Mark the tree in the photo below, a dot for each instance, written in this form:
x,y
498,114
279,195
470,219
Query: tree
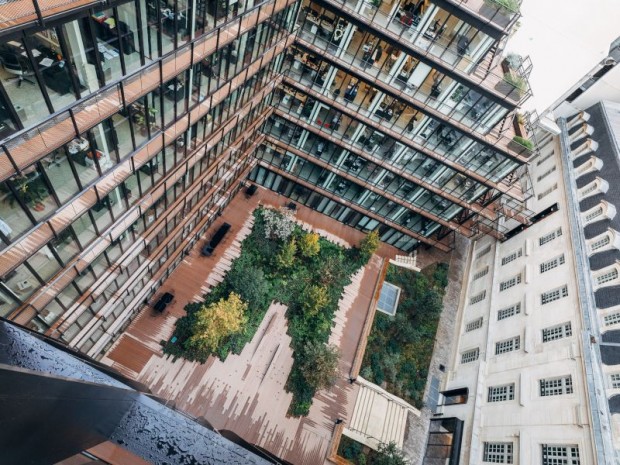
x,y
278,224
389,454
216,321
315,299
286,256
319,364
249,282
309,245
369,244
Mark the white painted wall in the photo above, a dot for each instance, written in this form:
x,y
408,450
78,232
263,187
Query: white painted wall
x,y
529,420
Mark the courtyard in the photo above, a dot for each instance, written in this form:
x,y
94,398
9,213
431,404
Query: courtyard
x,y
245,396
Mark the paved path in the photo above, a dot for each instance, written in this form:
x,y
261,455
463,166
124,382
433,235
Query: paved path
x,y
415,440
245,394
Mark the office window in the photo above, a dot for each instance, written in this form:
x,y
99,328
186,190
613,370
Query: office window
x,y
549,237
497,452
508,311
553,295
545,158
560,455
512,257
508,345
501,393
478,298
607,277
544,194
510,283
470,355
557,332
546,173
612,319
473,325
484,251
615,380
481,273
556,386
551,264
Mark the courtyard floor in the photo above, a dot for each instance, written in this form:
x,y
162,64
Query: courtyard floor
x,y
245,394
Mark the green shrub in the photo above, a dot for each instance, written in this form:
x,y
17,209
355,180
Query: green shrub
x,y
528,144
399,348
505,6
516,81
258,277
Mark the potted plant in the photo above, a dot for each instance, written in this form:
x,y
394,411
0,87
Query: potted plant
x,y
458,94
32,192
515,83
146,123
506,7
521,145
512,62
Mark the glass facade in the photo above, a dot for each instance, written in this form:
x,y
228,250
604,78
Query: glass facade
x,y
99,200
384,110
118,119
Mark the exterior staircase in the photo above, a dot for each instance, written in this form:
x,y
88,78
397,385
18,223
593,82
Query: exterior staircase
x,y
378,417
407,261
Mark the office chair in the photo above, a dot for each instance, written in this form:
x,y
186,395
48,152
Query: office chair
x,y
12,65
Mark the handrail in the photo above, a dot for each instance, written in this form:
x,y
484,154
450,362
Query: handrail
x,y
511,93
29,145
500,142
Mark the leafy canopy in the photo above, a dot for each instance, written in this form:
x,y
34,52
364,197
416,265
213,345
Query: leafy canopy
x,y
315,299
286,256
309,245
215,321
389,454
369,244
319,364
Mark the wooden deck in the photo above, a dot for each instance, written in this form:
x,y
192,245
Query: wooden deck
x,y
245,394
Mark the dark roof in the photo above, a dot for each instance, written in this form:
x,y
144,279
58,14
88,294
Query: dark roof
x,y
605,119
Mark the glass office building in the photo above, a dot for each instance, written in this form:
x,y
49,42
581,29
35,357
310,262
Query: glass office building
x,y
398,116
127,126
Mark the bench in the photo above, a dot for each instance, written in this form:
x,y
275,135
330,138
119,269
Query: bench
x,y
163,301
210,246
251,190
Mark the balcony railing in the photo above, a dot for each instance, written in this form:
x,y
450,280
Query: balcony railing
x,y
44,232
492,80
486,10
28,146
495,139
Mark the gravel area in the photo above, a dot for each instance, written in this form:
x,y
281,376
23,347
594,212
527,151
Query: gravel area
x,y
417,434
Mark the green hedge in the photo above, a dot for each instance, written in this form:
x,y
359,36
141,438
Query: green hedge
x,y
332,267
528,144
400,347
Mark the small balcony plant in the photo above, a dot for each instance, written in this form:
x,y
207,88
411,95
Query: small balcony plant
x,y
31,191
528,144
507,7
518,83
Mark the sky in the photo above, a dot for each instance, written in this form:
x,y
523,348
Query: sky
x,y
564,39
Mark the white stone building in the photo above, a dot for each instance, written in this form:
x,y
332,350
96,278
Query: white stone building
x,y
535,371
